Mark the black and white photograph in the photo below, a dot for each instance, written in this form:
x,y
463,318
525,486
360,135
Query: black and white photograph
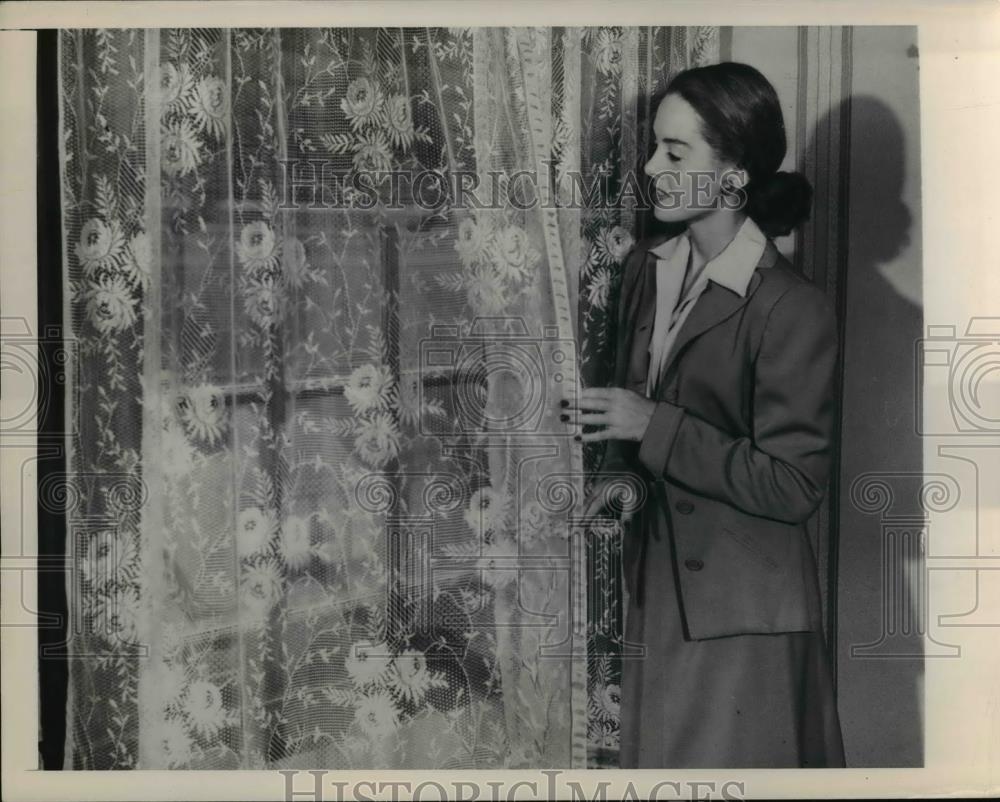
x,y
492,398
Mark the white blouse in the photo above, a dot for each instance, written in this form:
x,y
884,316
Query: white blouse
x,y
732,268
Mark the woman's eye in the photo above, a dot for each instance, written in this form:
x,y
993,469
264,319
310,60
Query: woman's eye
x,y
673,157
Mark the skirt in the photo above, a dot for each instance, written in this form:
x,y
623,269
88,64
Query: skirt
x,y
742,701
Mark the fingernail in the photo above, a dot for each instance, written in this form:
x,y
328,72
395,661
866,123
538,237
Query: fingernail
x,y
564,403
564,417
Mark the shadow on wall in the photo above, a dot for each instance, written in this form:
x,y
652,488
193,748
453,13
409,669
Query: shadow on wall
x,y
883,221
880,664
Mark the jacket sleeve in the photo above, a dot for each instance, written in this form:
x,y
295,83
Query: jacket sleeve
x,y
781,471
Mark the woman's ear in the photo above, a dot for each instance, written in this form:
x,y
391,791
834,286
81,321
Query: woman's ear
x,y
734,179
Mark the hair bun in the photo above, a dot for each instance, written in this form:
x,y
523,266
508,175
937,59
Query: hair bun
x,y
779,203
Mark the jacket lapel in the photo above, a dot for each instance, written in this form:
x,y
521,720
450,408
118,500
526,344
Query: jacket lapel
x,y
643,313
715,305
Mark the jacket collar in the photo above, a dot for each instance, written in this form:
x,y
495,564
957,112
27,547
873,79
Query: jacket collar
x,y
715,304
733,267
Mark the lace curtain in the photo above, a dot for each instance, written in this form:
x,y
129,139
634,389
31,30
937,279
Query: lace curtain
x,y
320,504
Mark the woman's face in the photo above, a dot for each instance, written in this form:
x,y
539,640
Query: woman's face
x,y
684,170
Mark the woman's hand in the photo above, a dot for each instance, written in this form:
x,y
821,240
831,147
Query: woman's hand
x,y
624,414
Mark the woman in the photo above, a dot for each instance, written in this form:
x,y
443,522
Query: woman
x,y
724,408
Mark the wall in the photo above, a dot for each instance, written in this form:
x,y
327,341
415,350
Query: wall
x,y
883,319
850,99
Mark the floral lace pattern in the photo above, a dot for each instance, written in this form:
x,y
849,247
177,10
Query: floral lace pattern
x,y
299,541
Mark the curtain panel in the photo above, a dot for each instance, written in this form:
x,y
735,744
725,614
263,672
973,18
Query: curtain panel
x,y
321,509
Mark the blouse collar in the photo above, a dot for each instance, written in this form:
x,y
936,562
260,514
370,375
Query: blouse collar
x,y
733,267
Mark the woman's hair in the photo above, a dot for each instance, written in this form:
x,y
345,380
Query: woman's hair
x,y
742,122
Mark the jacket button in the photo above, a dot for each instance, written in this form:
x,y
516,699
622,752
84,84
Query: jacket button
x,y
684,507
694,565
